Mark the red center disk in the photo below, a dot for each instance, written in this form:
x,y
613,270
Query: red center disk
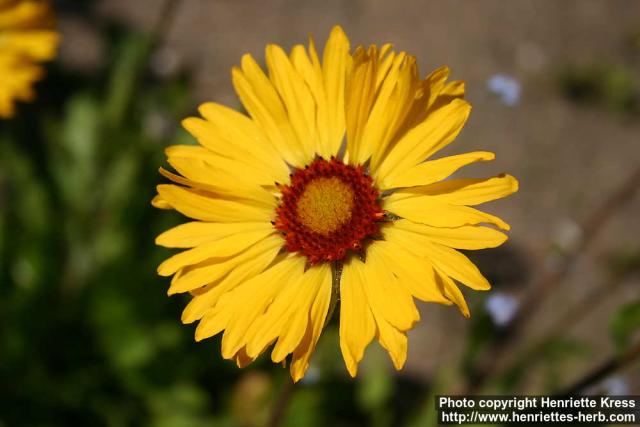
x,y
328,209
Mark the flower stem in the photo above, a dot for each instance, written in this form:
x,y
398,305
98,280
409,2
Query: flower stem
x,y
281,404
336,274
607,368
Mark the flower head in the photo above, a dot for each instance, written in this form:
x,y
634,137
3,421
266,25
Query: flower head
x,y
327,181
27,38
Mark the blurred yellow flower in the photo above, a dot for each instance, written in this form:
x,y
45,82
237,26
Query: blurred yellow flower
x,y
323,193
27,38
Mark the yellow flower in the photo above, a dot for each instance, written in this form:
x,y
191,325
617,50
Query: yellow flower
x,y
27,38
322,193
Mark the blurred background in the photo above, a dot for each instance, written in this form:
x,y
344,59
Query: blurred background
x,y
87,333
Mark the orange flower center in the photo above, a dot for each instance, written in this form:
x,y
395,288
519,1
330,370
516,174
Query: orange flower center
x,y
325,205
328,209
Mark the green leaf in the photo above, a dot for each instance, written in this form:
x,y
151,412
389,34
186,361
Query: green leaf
x,y
557,355
25,212
624,262
305,409
74,154
625,323
130,61
184,404
376,386
481,333
551,355
425,414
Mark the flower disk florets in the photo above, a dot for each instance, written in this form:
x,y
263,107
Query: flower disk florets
x,y
328,209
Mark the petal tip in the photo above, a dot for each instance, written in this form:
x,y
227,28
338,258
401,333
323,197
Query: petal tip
x,y
515,184
186,318
163,271
337,30
205,108
487,155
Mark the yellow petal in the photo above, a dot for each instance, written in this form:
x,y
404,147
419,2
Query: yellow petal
x,y
160,203
215,269
430,211
240,132
292,335
277,319
225,177
221,248
194,205
36,44
386,297
392,106
381,117
451,290
311,71
434,170
336,62
239,307
464,237
250,194
203,165
457,266
394,341
424,98
360,95
414,272
465,191
434,133
435,83
317,318
262,102
357,327
26,15
252,263
391,305
196,233
242,359
249,301
226,158
450,91
296,97
453,89
386,58
443,258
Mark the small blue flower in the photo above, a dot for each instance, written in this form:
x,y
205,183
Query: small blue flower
x,y
616,386
506,87
501,307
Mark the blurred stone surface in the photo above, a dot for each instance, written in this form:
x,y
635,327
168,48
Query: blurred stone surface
x,y
82,49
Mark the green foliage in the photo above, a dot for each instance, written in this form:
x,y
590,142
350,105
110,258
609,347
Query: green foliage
x,y
625,324
624,263
609,86
376,386
483,330
549,359
131,59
